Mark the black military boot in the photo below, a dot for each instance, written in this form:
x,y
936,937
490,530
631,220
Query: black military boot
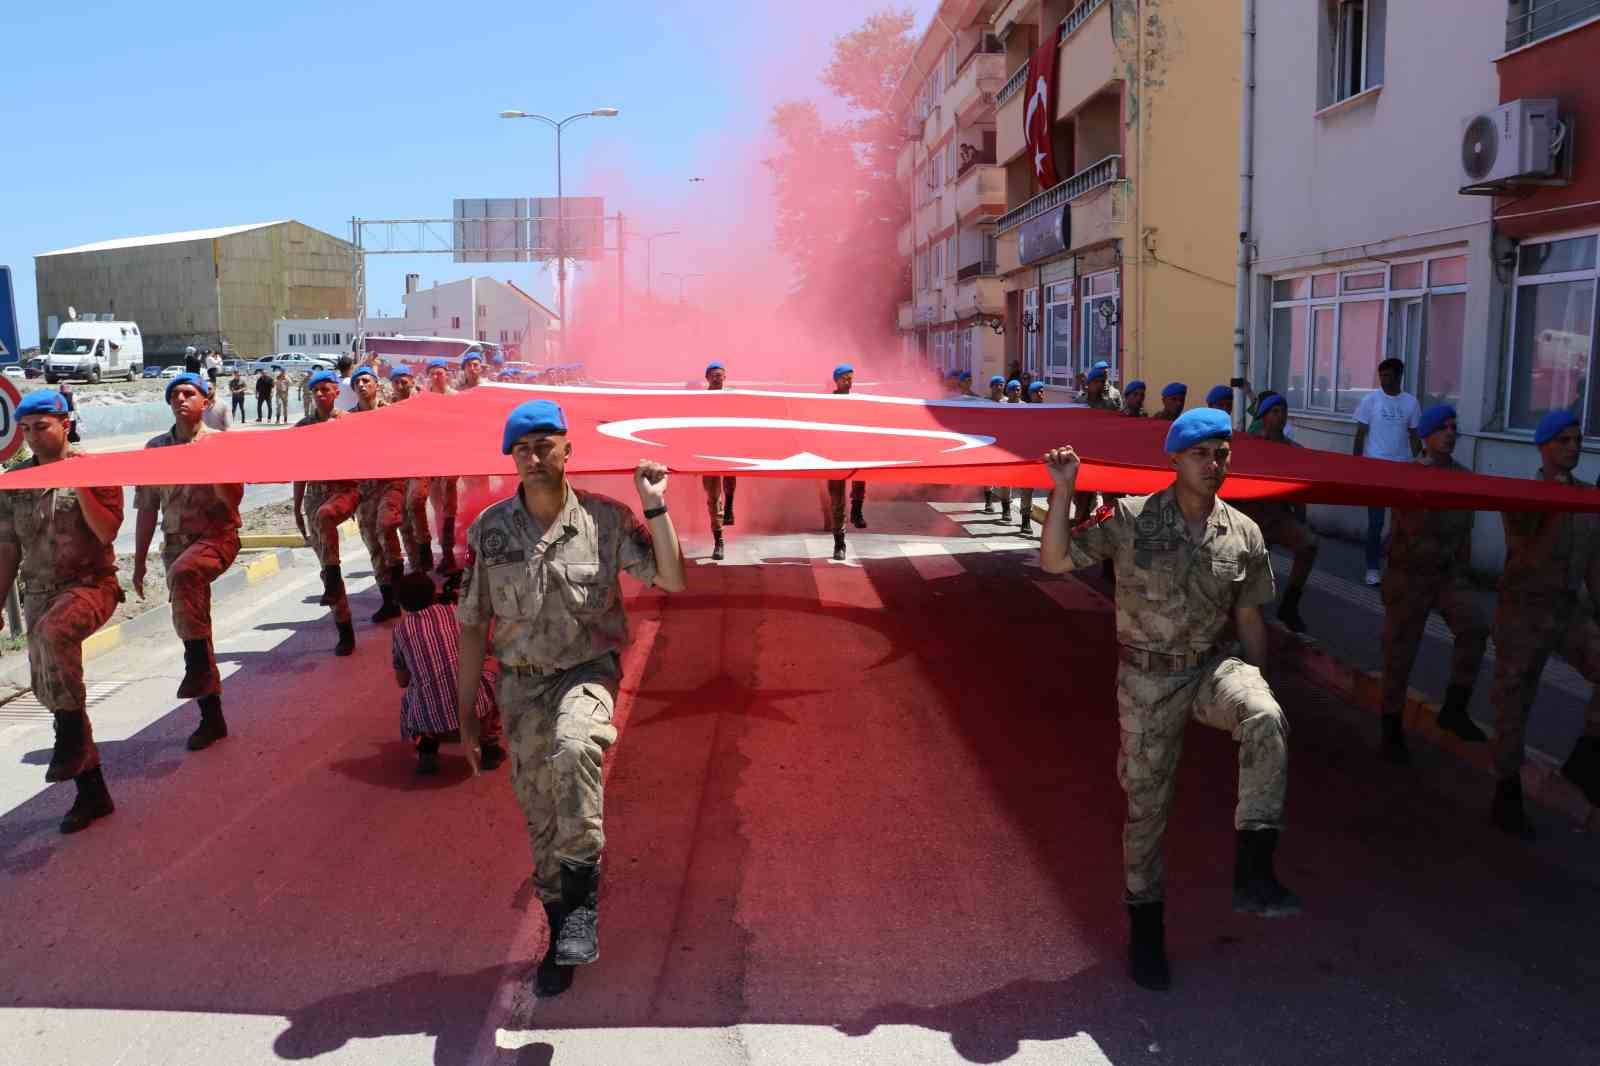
x,y
74,748
1453,715
94,801
717,551
390,609
553,978
1506,812
1582,768
196,669
1256,889
727,506
490,756
427,755
1394,741
447,550
578,942
347,639
857,519
1005,510
1027,523
838,547
1289,609
1147,946
213,727
424,558
988,501
332,585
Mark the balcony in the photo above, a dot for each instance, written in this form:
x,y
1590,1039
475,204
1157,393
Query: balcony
x,y
1097,216
1088,55
1534,20
930,302
1086,180
1008,258
933,216
1012,85
903,241
980,191
907,318
1008,133
982,269
980,295
972,95
1078,16
905,163
934,125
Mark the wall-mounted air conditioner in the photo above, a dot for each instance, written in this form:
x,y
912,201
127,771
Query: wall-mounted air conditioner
x,y
1518,143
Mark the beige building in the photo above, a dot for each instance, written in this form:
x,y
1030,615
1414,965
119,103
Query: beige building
x,y
201,287
1130,258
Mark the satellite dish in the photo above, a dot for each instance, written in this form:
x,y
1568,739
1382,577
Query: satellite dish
x,y
1479,147
72,314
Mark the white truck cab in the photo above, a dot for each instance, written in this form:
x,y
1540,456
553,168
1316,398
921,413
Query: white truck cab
x,y
95,351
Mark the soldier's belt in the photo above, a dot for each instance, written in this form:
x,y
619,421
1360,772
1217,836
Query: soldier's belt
x,y
1155,662
528,670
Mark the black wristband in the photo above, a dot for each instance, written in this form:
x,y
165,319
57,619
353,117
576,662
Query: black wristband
x,y
654,512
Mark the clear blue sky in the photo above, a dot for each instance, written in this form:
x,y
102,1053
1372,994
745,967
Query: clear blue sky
x,y
128,119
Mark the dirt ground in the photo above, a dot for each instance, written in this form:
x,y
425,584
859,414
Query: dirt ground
x,y
274,518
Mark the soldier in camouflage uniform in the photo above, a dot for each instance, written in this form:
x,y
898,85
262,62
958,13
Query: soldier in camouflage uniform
x,y
719,490
997,394
199,541
1173,396
1098,392
1133,400
415,535
441,491
844,376
329,503
1548,556
1428,554
1284,524
1191,572
543,568
61,541
381,513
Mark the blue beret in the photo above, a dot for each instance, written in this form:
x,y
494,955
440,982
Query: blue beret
x,y
1036,386
535,416
1277,400
362,372
998,379
43,402
400,372
1201,424
1550,425
440,364
470,356
714,365
965,375
1013,384
841,370
320,376
1096,372
1133,386
1434,418
1219,393
1176,388
199,381
1101,365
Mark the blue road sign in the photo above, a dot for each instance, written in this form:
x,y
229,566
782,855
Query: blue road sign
x,y
10,343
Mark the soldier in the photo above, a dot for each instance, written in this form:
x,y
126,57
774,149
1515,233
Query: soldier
x,y
1014,391
543,567
844,376
381,512
997,394
997,388
440,490
1428,554
1547,556
719,490
1220,398
61,541
1098,392
1033,392
415,533
1173,397
1284,523
402,384
199,541
330,503
1133,400
471,370
1191,571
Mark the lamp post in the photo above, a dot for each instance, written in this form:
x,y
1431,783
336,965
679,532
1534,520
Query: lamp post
x,y
681,279
561,206
649,246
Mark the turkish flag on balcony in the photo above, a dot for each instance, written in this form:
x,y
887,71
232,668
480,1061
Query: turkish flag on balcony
x,y
1038,113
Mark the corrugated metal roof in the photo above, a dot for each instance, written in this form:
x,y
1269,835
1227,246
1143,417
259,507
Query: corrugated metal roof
x,y
164,238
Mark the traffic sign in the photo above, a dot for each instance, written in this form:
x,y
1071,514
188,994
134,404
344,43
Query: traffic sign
x,y
10,343
10,432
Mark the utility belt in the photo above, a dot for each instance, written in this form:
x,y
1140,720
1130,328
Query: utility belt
x,y
531,670
1157,662
42,590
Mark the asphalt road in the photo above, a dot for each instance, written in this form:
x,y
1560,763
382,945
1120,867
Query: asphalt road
x,y
858,813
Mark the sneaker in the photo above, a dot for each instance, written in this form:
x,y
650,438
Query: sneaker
x,y
1374,578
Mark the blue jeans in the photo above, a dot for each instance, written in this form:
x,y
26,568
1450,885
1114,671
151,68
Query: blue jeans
x,y
1375,517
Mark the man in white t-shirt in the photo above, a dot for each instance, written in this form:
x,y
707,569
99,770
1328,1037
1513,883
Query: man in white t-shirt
x,y
1386,428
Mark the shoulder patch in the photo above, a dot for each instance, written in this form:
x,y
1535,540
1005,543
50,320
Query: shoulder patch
x,y
1098,517
494,543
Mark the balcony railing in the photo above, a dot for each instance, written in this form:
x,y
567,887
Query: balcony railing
x,y
1078,16
985,269
1013,85
988,44
1090,177
981,158
1533,20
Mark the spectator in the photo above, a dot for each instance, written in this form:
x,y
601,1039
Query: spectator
x,y
425,657
213,368
347,393
1386,428
280,389
191,360
236,391
215,416
305,393
72,411
263,395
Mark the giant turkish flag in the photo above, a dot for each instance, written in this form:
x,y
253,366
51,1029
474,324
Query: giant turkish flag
x,y
784,434
1039,112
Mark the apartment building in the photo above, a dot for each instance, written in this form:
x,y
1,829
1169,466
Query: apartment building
x,y
1426,188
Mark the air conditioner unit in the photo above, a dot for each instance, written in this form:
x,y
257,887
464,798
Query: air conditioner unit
x,y
1517,142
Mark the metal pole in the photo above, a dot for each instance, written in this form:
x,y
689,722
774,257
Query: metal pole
x,y
14,611
358,289
1241,295
561,247
622,312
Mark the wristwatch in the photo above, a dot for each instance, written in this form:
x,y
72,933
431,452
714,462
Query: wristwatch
x,y
654,512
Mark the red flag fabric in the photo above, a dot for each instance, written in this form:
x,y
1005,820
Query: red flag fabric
x,y
783,434
1038,114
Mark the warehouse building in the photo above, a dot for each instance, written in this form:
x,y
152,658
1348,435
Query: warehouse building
x,y
208,287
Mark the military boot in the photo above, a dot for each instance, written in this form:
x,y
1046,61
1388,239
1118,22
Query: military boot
x,y
212,728
1256,889
196,669
390,608
578,943
74,751
347,639
717,551
1147,946
1453,715
332,585
94,801
988,501
1582,768
727,507
447,549
857,519
1027,523
1289,609
1394,740
1507,812
552,978
838,547
424,557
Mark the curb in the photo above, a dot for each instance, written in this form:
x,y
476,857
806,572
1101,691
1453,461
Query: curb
x,y
289,540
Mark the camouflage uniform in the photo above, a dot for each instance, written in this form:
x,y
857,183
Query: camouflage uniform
x,y
330,502
199,541
1110,399
380,516
1548,556
1175,606
1003,492
69,586
559,629
1428,552
1283,524
858,495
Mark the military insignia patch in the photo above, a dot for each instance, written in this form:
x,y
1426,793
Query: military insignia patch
x,y
1097,517
494,543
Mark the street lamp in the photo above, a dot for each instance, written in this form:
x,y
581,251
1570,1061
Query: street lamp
x,y
649,245
561,206
681,279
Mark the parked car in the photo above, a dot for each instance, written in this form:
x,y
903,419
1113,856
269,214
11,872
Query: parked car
x,y
230,365
12,370
35,367
293,362
172,371
93,351
153,371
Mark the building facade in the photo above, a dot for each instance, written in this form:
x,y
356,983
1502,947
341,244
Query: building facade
x,y
219,288
1372,240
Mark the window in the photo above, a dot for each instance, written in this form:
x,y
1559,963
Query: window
x,y
1352,37
1534,20
1031,325
455,321
1330,331
1058,333
936,175
1101,304
435,311
483,334
938,264
951,160
505,337
1552,339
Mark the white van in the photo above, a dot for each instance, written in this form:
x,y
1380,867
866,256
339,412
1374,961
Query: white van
x,y
95,351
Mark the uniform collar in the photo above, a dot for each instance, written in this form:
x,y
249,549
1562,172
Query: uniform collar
x,y
1559,479
1218,521
565,524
